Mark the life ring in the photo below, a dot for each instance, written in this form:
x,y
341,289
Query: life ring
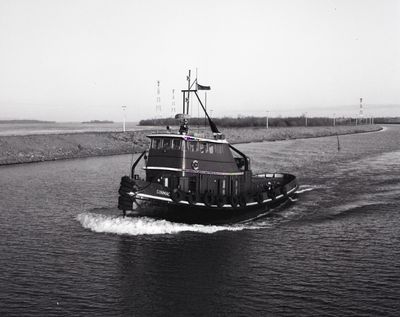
x,y
208,199
192,198
195,165
242,200
176,195
234,200
220,201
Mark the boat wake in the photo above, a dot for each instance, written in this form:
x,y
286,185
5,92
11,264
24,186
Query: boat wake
x,y
305,188
145,226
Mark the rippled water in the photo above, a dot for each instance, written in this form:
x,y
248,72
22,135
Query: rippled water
x,y
334,251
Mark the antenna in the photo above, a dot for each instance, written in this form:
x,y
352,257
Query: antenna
x,y
205,106
187,99
158,102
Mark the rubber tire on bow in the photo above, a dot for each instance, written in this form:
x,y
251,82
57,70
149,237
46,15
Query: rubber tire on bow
x,y
127,181
124,203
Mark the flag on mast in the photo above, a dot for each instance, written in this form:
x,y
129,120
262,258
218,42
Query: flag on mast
x,y
200,87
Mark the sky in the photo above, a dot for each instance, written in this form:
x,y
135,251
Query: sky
x,y
69,60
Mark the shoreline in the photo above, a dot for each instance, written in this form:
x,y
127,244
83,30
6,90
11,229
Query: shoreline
x,y
22,149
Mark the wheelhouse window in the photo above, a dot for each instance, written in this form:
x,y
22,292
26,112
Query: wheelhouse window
x,y
167,144
176,144
203,147
211,148
192,146
156,144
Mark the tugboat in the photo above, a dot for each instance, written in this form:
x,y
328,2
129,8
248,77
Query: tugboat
x,y
200,179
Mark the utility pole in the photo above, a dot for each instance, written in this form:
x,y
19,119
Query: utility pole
x,y
266,120
158,101
305,117
334,119
123,123
173,109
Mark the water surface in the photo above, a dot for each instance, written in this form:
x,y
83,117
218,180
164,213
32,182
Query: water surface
x,y
335,251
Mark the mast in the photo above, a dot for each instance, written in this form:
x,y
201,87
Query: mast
x,y
185,108
188,95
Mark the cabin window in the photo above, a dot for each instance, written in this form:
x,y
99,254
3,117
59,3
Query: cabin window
x,y
156,144
192,146
203,147
211,148
176,144
167,144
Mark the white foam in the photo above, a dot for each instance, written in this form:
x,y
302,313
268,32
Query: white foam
x,y
299,191
144,225
306,188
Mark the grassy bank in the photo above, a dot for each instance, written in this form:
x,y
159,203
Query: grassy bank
x,y
49,147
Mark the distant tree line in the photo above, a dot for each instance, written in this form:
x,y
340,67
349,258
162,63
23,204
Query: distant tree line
x,y
98,121
386,120
261,121
24,121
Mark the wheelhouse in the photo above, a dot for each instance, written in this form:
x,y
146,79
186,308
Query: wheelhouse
x,y
196,165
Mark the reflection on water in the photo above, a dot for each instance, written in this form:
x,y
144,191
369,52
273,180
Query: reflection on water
x,y
335,250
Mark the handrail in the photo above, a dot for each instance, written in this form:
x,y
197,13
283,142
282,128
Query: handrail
x,y
246,159
136,163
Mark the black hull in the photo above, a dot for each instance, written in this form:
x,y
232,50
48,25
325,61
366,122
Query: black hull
x,y
192,214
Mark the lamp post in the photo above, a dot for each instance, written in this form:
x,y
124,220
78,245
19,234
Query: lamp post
x,y
123,124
